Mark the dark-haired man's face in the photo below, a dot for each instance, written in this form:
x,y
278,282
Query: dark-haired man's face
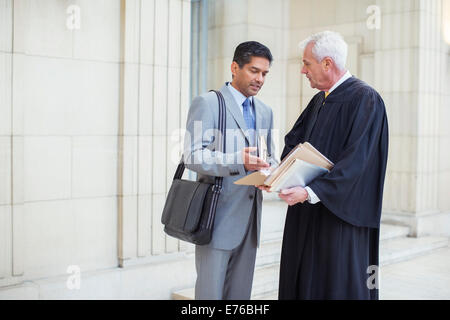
x,y
250,78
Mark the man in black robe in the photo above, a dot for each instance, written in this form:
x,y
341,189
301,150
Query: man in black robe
x,y
331,235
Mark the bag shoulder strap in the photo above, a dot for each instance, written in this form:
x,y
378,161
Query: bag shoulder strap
x,y
221,143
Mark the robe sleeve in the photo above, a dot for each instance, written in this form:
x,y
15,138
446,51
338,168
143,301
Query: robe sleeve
x,y
353,189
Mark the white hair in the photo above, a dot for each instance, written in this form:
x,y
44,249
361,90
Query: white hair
x,y
327,44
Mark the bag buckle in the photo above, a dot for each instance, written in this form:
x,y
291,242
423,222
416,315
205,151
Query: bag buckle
x,y
216,189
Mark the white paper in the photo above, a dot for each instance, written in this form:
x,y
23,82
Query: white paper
x,y
301,173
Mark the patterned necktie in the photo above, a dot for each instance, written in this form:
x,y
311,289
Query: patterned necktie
x,y
249,120
326,95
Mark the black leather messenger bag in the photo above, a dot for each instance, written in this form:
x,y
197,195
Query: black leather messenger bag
x,y
190,206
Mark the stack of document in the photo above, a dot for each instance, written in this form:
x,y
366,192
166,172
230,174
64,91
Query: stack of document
x,y
301,166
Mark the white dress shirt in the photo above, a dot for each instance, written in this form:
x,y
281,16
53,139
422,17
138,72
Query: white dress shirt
x,y
240,98
312,197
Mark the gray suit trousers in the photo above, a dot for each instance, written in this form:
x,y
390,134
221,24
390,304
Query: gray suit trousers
x,y
227,274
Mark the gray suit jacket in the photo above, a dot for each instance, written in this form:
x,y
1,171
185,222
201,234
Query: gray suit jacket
x,y
200,155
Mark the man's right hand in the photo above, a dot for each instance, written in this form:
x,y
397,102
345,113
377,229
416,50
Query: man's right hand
x,y
251,162
264,188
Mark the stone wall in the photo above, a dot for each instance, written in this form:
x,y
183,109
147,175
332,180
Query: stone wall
x,y
91,93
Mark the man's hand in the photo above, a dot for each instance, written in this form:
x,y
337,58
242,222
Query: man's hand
x,y
294,195
264,188
253,163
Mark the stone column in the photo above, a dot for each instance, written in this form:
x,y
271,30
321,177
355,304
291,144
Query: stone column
x,y
444,150
154,103
409,72
61,115
9,273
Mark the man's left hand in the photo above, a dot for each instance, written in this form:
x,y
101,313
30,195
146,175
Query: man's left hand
x,y
294,195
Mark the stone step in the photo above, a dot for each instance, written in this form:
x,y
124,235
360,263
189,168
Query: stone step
x,y
392,251
390,231
265,279
387,231
272,295
395,246
266,275
270,237
269,250
267,264
401,249
185,294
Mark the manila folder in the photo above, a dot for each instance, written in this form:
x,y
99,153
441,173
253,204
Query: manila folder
x,y
254,179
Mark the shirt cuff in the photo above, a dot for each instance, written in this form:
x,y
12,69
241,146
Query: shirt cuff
x,y
313,198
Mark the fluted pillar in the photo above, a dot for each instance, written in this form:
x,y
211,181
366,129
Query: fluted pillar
x,y
154,91
409,72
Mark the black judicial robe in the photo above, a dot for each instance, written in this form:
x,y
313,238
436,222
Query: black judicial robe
x,y
329,246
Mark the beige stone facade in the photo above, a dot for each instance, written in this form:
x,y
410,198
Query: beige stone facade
x,y
92,97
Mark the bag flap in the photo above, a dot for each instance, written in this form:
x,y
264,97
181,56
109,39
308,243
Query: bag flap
x,y
183,207
196,208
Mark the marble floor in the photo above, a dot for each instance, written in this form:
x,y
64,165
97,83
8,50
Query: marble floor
x,y
425,277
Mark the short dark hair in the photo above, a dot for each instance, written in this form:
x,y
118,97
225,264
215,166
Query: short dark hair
x,y
246,50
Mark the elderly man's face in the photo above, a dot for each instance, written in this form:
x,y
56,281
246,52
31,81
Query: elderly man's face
x,y
314,70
